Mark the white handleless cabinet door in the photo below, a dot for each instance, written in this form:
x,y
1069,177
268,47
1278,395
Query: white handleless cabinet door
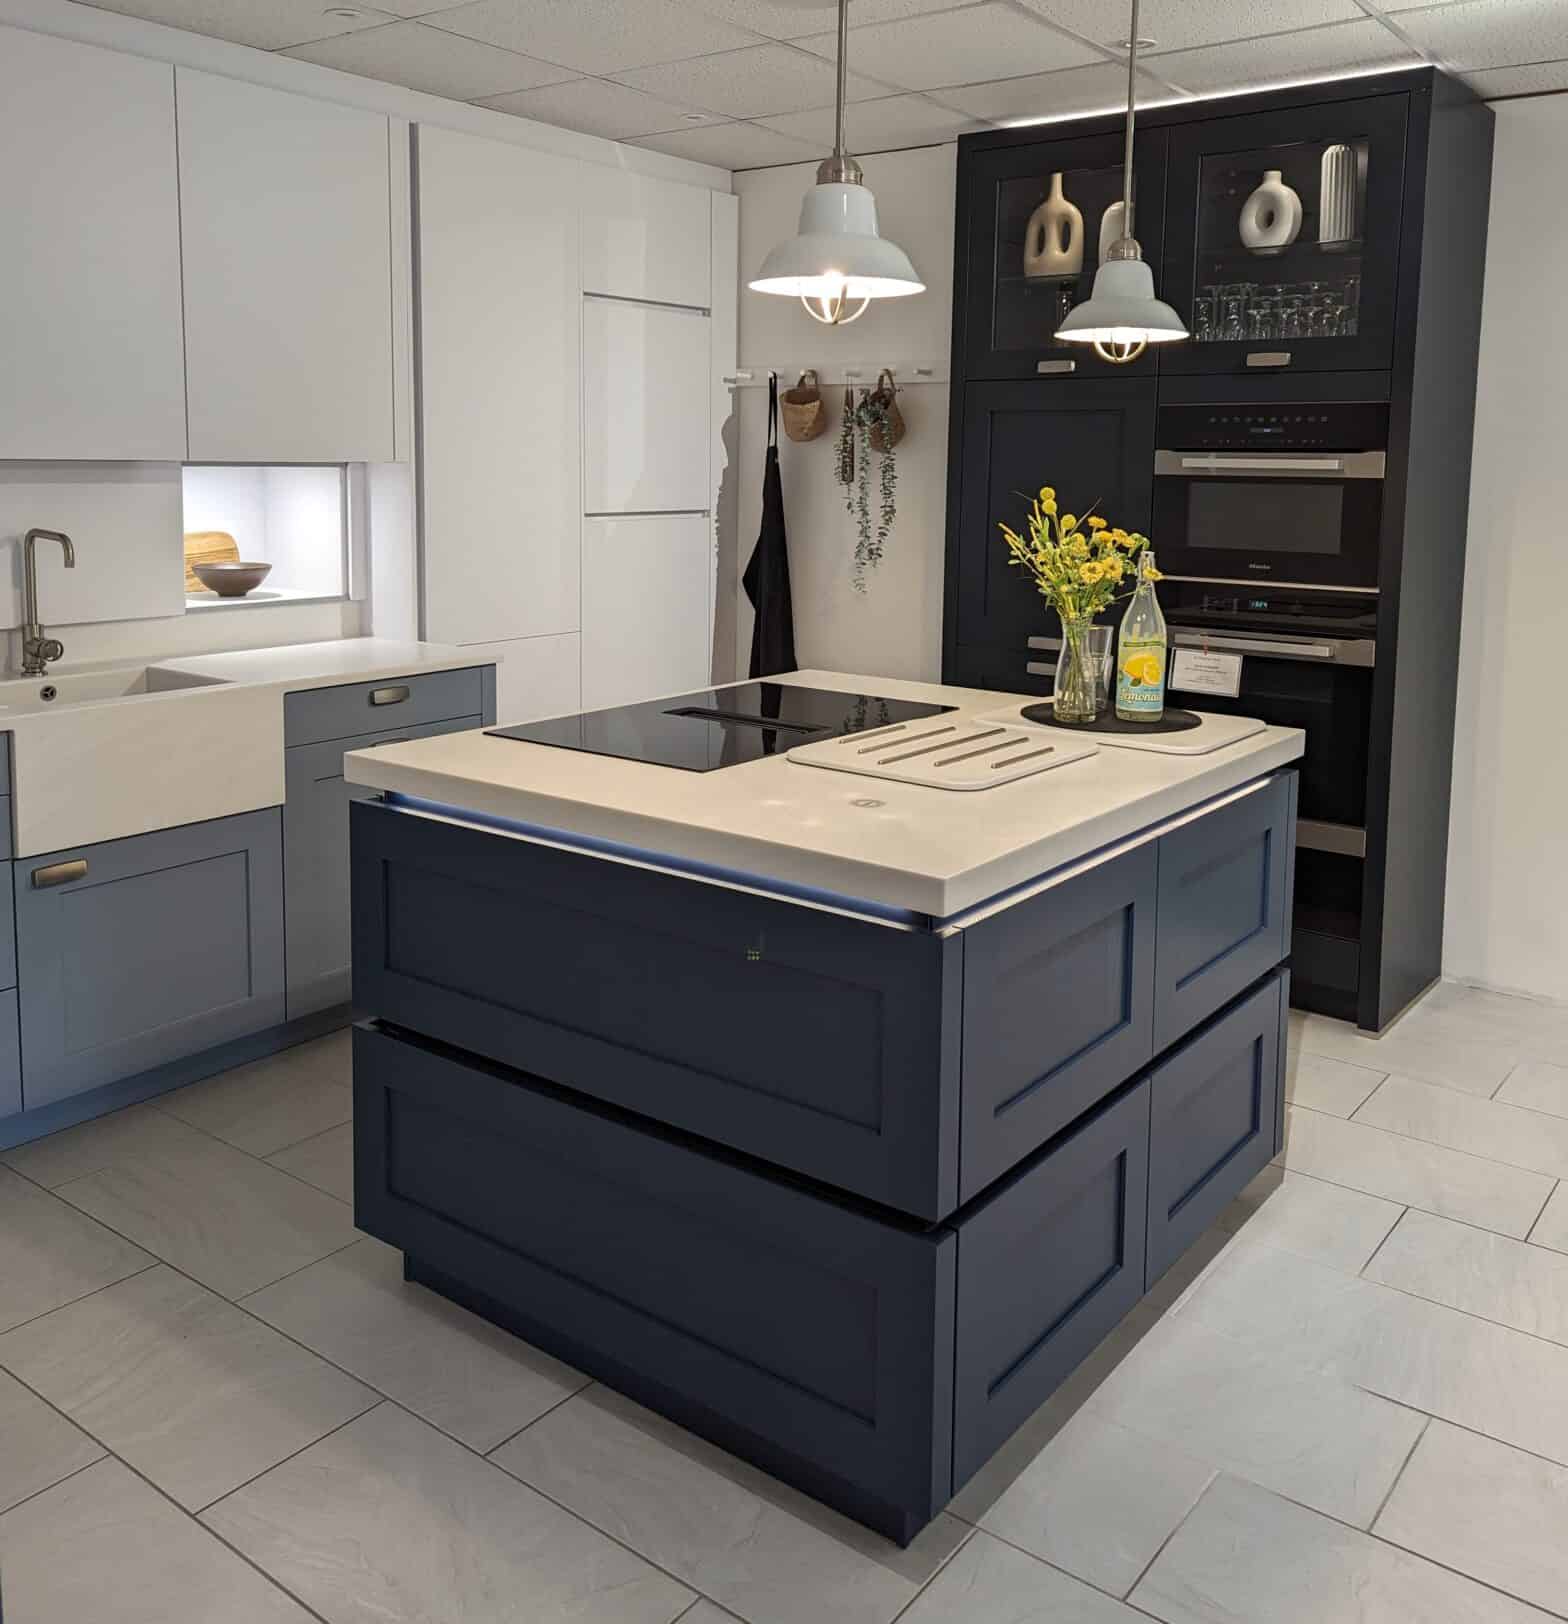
x,y
499,319
534,677
647,621
286,226
93,365
645,238
645,408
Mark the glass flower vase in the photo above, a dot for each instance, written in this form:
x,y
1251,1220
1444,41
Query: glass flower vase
x,y
1075,700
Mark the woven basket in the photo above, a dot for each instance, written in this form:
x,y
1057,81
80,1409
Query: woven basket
x,y
887,432
803,409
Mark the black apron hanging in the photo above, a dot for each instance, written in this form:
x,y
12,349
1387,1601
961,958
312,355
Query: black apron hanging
x,y
767,575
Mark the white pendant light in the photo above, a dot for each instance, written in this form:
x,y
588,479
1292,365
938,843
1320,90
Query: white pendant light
x,y
1122,316
837,263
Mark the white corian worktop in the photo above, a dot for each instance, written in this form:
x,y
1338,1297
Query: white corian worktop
x,y
930,851
203,740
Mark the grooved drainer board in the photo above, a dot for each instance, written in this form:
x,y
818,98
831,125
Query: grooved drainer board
x,y
946,752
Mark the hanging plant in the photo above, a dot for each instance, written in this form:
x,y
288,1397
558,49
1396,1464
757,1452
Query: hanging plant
x,y
875,424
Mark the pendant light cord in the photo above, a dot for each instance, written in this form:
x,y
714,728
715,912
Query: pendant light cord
x,y
1132,82
843,77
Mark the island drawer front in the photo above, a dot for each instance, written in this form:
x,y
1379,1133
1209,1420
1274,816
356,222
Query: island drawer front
x,y
1214,1119
1046,1267
1224,905
1058,1010
811,1338
10,1056
7,849
7,933
821,1043
316,714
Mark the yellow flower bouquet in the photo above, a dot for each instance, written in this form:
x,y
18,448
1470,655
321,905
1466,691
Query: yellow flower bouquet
x,y
1078,566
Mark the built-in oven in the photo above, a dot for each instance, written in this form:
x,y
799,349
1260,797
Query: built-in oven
x,y
1287,496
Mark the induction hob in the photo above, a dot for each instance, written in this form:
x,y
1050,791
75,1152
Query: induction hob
x,y
720,727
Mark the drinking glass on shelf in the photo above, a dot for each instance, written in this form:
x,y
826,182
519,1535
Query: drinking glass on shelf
x,y
1233,311
1205,324
1351,302
1263,315
1290,312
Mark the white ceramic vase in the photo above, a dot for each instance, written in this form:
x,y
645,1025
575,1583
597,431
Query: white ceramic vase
x,y
1337,197
1053,240
1271,217
1113,227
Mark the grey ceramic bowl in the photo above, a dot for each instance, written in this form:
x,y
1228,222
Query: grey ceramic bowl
x,y
231,580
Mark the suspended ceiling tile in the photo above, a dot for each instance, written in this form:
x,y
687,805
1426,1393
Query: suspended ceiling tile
x,y
1176,25
596,36
1533,79
267,24
877,126
753,83
732,146
794,19
1071,93
957,47
1491,33
596,107
423,58
418,8
1316,53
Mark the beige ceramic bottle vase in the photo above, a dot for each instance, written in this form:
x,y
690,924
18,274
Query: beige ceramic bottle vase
x,y
1053,242
1271,217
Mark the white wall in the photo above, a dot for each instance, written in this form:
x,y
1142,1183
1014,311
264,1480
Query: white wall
x,y
895,629
1507,922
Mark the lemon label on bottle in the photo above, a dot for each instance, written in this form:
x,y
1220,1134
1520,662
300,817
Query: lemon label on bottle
x,y
1140,677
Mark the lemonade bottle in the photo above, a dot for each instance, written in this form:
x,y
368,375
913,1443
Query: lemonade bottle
x,y
1140,656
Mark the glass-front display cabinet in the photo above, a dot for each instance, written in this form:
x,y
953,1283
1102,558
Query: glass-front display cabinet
x,y
1039,219
1282,244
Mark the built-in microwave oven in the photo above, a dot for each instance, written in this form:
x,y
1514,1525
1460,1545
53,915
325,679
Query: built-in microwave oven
x,y
1286,497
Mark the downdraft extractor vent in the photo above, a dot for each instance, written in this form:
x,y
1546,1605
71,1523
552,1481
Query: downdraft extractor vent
x,y
944,752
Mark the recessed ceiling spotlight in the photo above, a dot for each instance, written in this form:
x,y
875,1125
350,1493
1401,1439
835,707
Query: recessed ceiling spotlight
x,y
1144,43
351,14
694,118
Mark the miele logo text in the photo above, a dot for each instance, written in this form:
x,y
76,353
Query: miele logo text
x,y
1260,567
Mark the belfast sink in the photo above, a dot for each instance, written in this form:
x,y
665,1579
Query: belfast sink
x,y
93,683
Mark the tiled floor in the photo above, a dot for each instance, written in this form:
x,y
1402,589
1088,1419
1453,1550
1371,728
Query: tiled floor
x,y
218,1401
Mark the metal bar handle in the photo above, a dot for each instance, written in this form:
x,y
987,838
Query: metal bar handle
x,y
1256,464
1359,651
1304,465
59,873
389,696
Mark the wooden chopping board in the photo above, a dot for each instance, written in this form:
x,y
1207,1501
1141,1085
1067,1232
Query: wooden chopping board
x,y
207,547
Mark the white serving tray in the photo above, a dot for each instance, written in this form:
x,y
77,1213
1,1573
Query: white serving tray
x,y
1216,733
948,752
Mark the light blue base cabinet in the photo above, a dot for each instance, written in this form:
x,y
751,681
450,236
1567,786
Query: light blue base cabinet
x,y
140,951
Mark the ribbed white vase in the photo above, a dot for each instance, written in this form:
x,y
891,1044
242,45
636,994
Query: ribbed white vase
x,y
1337,195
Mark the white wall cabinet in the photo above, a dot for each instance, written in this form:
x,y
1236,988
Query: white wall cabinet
x,y
90,273
646,401
646,620
499,334
645,238
286,231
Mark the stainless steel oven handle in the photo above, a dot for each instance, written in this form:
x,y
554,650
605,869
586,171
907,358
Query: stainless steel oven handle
x,y
1331,650
1272,464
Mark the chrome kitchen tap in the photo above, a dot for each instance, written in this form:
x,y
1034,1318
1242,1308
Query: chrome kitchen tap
x,y
38,650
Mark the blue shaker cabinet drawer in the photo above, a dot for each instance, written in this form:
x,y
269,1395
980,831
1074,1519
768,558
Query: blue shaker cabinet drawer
x,y
1214,1123
316,714
10,1056
7,930
6,847
1224,905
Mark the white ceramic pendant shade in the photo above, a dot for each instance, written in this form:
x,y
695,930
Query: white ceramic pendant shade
x,y
838,261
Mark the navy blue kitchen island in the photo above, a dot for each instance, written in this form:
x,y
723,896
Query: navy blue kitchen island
x,y
842,1150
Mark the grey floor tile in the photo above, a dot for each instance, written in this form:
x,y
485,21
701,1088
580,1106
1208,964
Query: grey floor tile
x,y
1492,1512
1551,1228
1526,1024
988,1582
214,1212
1431,1358
1471,1063
1307,1216
1301,1432
1334,1086
460,1373
327,1161
1099,1501
273,1102
1441,1116
51,1254
1413,1173
389,1520
104,1546
1246,1555
38,1446
748,1542
193,1392
73,1153
1500,1279
1538,1085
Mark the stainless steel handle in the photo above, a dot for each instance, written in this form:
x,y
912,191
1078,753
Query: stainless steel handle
x,y
1296,465
59,873
1269,358
381,744
1343,839
1055,369
389,696
1038,668
1266,464
1335,651
1252,583
1052,643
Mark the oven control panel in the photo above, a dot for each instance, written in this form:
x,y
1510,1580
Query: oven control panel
x,y
1330,426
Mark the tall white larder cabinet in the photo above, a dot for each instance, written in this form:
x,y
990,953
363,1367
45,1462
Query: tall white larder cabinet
x,y
91,364
499,403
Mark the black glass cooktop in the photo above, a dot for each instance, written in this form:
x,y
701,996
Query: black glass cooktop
x,y
720,727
